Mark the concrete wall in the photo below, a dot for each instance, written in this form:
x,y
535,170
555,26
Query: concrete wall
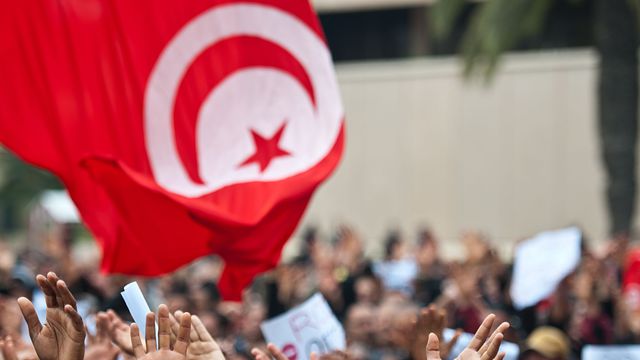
x,y
425,147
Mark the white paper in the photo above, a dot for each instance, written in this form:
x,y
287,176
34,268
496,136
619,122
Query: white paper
x,y
541,263
618,352
512,350
309,327
137,305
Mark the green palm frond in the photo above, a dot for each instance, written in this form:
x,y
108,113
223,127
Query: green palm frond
x,y
496,26
444,15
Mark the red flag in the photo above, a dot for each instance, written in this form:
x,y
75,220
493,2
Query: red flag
x,y
180,128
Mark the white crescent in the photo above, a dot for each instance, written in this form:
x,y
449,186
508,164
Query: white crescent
x,y
258,98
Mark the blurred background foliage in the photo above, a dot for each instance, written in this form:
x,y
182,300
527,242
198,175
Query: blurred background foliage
x,y
20,184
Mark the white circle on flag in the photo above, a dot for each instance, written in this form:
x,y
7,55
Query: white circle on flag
x,y
259,99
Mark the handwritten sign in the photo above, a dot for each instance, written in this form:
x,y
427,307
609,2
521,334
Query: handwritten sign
x,y
309,327
541,263
618,352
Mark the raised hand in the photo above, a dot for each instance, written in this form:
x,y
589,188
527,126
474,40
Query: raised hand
x,y
202,345
481,347
62,337
487,348
167,349
120,333
8,349
16,349
431,320
100,347
273,351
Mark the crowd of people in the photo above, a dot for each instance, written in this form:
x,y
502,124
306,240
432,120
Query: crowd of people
x,y
396,307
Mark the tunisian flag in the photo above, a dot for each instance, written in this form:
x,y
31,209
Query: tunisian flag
x,y
180,128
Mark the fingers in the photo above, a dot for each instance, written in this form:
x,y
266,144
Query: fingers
x,y
499,330
114,318
76,319
56,292
200,329
52,278
120,333
483,332
314,356
175,325
490,349
164,327
8,349
182,342
102,327
150,332
454,340
48,290
136,341
30,316
193,336
424,318
501,356
276,352
493,348
115,324
63,293
433,347
259,354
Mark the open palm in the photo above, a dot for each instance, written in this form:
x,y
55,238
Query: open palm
x,y
202,345
62,337
481,347
120,333
167,349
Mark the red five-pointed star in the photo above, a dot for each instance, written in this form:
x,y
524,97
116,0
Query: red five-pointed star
x,y
266,149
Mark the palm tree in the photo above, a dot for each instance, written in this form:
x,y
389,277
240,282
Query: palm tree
x,y
497,26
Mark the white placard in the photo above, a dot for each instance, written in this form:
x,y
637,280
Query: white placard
x,y
512,350
541,263
309,327
618,352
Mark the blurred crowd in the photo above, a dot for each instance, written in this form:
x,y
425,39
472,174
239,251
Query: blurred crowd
x,y
379,301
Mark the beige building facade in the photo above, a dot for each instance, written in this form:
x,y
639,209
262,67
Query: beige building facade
x,y
425,147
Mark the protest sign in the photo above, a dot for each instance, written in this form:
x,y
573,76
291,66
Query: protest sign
x,y
309,327
541,263
618,352
512,350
